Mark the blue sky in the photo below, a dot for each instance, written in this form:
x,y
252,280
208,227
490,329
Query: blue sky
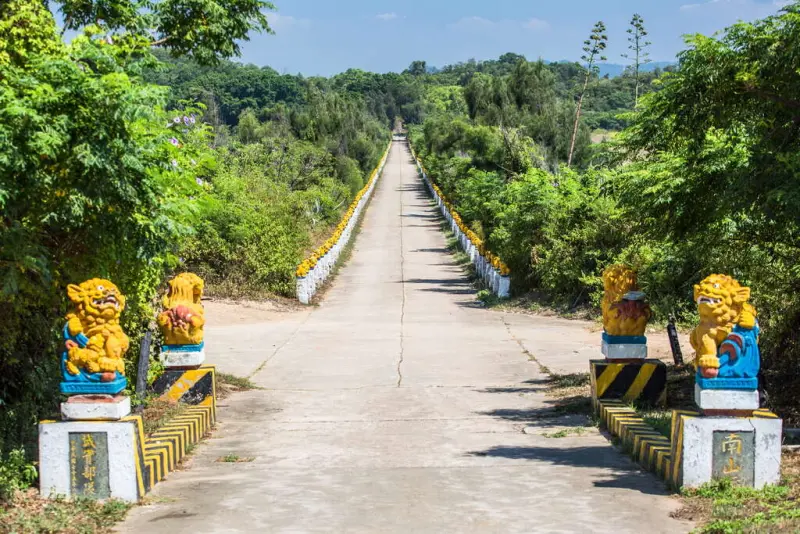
x,y
321,37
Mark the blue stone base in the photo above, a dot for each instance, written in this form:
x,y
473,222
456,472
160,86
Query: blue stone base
x,y
94,388
727,383
624,347
183,348
624,340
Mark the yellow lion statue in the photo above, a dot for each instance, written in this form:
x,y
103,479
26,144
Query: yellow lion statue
x,y
183,317
97,305
722,304
623,317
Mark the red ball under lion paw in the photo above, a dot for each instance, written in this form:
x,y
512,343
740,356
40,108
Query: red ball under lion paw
x,y
709,372
182,313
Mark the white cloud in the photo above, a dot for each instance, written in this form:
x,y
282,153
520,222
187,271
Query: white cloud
x,y
387,16
769,4
283,22
474,21
481,24
473,24
537,24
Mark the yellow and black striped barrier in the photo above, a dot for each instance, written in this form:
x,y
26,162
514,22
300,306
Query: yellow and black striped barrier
x,y
165,448
642,382
190,386
650,448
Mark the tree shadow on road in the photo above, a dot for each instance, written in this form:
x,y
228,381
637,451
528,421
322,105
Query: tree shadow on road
x,y
453,286
625,474
541,417
440,250
420,216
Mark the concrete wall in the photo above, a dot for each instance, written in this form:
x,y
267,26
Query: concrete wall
x,y
494,281
307,286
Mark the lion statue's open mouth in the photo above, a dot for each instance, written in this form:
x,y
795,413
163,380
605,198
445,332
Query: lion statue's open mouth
x,y
105,302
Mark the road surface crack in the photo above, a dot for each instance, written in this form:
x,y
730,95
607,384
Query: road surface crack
x,y
524,349
403,286
279,347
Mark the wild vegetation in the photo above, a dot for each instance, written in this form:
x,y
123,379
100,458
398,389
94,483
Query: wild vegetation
x,y
702,179
106,171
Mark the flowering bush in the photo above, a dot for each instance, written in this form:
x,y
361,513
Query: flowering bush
x,y
307,265
495,262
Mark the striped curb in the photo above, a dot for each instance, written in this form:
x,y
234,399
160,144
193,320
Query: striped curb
x,y
165,448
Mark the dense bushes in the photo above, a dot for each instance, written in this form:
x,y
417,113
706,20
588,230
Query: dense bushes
x,y
101,174
95,180
268,205
704,180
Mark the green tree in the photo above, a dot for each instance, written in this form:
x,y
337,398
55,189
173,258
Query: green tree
x,y
713,160
97,177
639,55
592,53
417,68
206,30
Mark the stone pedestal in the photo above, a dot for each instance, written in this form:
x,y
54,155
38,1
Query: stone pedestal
x,y
745,449
720,400
93,459
183,356
643,382
96,408
624,347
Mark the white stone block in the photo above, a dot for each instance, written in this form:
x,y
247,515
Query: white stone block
x,y
624,351
496,282
726,399
301,288
96,408
697,447
504,289
174,357
55,472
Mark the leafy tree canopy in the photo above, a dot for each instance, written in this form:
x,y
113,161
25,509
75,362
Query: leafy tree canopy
x,y
206,30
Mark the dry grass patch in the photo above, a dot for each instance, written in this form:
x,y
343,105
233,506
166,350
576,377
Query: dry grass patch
x,y
235,459
571,391
27,513
228,384
158,412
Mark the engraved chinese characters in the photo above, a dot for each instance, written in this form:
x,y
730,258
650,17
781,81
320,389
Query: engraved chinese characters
x,y
88,465
734,457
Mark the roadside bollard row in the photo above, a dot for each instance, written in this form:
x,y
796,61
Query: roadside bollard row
x,y
489,268
314,270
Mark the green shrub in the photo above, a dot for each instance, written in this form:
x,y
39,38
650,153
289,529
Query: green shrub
x,y
268,206
15,473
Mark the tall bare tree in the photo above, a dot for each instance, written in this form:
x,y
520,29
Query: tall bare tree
x,y
592,53
639,56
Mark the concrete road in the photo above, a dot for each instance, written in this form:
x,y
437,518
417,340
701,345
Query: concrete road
x,y
398,405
